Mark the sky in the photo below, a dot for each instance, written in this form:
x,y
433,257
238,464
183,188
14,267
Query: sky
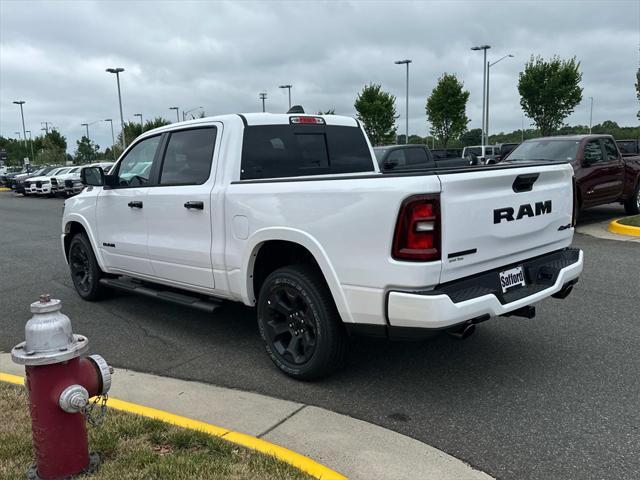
x,y
221,55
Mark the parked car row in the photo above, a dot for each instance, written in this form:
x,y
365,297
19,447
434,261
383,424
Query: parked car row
x,y
49,180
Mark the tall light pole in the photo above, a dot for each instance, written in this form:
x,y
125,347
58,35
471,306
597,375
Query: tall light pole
x,y
406,62
177,113
141,125
24,134
19,135
113,138
184,114
288,87
86,125
591,115
489,65
263,97
31,144
117,71
484,85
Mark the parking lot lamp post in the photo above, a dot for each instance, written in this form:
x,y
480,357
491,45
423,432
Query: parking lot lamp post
x,y
590,115
86,125
406,62
31,144
263,97
19,135
288,87
489,65
141,124
177,113
24,134
113,139
117,71
184,114
484,85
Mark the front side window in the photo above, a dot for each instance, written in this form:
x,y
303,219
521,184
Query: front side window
x,y
417,156
188,157
593,152
135,167
610,149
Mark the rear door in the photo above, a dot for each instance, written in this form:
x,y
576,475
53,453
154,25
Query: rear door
x,y
179,208
496,217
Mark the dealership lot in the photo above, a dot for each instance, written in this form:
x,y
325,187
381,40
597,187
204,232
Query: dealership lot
x,y
552,397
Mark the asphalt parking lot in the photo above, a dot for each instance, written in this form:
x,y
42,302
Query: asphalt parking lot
x,y
556,397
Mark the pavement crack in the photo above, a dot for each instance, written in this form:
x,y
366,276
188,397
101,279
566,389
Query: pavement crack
x,y
288,417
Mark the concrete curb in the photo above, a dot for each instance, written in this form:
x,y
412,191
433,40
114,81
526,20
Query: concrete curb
x,y
600,230
616,227
301,462
357,449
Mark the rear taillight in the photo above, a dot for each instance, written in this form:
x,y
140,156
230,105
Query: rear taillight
x,y
417,235
574,216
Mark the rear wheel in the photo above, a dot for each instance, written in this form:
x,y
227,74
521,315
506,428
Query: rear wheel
x,y
632,205
84,268
299,323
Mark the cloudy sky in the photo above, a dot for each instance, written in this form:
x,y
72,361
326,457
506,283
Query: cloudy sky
x,y
220,55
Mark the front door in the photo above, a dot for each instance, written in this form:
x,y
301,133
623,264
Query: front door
x,y
120,211
178,208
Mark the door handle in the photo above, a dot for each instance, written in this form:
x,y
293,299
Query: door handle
x,y
135,204
195,205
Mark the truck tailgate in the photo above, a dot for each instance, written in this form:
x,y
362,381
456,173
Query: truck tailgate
x,y
498,217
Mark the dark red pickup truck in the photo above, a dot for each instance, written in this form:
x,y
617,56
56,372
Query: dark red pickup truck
x,y
602,174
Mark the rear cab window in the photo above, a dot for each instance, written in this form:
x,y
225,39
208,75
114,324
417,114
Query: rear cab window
x,y
283,151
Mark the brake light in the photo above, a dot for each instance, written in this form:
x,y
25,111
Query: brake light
x,y
307,119
417,234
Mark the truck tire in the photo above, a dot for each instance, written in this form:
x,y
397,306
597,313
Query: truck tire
x,y
299,323
84,269
632,205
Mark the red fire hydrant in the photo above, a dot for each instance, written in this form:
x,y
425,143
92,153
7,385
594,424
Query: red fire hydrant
x,y
60,383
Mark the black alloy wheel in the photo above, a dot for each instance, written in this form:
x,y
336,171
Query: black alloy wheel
x,y
299,323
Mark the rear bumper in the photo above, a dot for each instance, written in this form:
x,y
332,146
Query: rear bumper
x,y
481,295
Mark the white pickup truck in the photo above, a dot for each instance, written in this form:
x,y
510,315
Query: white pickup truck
x,y
289,213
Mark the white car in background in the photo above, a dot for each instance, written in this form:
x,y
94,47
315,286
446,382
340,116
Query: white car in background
x,y
73,185
42,185
57,181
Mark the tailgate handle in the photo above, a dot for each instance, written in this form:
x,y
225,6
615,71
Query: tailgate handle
x,y
524,183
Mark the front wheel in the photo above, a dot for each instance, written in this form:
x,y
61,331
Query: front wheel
x,y
84,268
299,323
632,205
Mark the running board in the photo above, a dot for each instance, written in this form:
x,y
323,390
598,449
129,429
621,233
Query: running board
x,y
147,290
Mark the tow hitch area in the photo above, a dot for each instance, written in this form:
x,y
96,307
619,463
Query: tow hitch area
x,y
526,312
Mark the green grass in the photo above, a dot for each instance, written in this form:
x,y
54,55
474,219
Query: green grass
x,y
136,448
633,221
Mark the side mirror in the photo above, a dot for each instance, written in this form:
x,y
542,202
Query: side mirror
x,y
92,176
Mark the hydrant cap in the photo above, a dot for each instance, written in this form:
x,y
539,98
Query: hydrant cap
x,y
48,334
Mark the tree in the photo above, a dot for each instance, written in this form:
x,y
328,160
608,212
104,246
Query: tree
x,y
471,137
549,91
446,109
331,111
377,112
133,130
86,150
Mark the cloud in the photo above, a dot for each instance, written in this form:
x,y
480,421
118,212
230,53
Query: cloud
x,y
221,55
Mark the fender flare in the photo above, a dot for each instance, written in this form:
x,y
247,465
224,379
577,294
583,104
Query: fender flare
x,y
74,217
255,242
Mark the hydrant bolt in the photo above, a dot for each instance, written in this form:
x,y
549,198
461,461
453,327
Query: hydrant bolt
x,y
73,399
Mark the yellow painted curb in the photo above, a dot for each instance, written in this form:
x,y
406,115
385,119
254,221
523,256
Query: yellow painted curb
x,y
616,227
5,189
297,460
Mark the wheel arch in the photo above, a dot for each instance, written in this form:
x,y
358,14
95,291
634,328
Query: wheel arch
x,y
74,225
299,247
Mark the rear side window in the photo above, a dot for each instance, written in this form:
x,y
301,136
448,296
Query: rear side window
x,y
627,146
417,156
188,157
276,151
